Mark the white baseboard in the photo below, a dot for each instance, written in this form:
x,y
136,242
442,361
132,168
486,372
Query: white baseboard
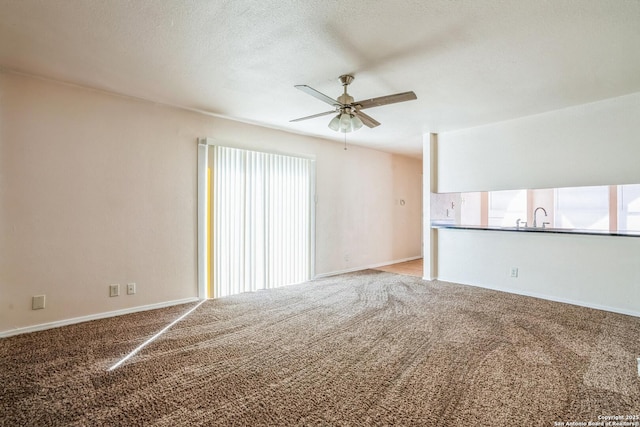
x,y
555,299
365,267
58,323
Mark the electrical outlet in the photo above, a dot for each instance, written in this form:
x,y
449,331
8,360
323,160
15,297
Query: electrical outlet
x,y
37,302
131,288
114,290
514,271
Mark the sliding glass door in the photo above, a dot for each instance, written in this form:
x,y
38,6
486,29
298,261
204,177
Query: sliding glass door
x,y
260,220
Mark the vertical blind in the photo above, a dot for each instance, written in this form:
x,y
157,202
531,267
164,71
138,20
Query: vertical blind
x,y
261,220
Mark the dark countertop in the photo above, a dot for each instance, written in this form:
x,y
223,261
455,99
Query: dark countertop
x,y
538,230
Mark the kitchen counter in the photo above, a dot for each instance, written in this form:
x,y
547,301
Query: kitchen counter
x,y
537,230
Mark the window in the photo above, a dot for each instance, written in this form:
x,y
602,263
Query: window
x,y
506,207
629,207
582,208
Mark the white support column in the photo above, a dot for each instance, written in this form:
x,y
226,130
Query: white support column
x,y
429,186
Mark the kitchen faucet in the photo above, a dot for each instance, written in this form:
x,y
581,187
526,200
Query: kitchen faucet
x,y
535,214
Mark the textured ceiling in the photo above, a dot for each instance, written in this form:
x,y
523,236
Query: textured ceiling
x,y
470,62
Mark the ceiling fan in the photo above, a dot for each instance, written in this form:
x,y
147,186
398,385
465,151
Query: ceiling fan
x,y
350,117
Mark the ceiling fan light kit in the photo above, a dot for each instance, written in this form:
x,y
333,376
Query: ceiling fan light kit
x,y
350,117
345,122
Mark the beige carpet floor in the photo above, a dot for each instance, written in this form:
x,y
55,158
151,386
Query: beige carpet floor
x,y
367,348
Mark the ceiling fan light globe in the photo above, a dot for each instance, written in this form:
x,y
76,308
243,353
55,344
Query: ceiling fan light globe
x,y
345,122
356,123
334,124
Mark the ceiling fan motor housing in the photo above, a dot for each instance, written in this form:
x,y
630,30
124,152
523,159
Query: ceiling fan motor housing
x,y
345,99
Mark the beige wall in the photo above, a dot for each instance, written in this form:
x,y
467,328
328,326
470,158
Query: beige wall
x,y
98,189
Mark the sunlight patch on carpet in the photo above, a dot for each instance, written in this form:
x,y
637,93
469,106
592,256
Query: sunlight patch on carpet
x,y
150,340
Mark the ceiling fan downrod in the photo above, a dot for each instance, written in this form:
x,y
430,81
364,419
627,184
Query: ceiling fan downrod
x,y
345,98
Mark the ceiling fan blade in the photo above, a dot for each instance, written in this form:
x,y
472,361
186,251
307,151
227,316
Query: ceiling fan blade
x,y
367,120
321,96
384,100
314,116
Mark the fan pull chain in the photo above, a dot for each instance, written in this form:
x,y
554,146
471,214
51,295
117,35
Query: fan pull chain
x,y
345,142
